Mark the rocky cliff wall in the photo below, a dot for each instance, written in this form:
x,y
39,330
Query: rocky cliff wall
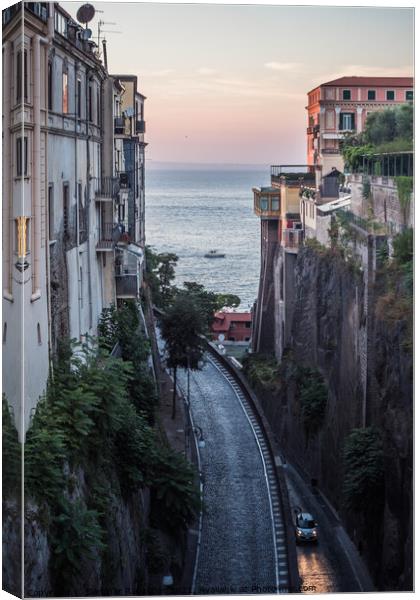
x,y
367,367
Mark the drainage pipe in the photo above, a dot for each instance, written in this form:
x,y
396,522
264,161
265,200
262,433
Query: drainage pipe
x,y
7,167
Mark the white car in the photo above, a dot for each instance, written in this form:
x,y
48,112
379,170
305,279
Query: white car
x,y
306,529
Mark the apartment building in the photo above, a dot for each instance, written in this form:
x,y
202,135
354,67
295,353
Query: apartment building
x,y
73,193
341,106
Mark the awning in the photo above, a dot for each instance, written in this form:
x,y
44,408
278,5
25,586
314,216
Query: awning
x,y
335,204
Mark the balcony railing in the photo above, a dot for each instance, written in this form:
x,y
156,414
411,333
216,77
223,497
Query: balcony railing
x,y
106,188
127,285
119,126
140,126
105,237
293,174
293,238
330,151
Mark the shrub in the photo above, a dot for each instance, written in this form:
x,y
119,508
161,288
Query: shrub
x,y
176,499
77,536
404,187
261,370
363,487
11,452
313,396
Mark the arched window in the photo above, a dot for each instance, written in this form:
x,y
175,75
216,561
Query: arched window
x,y
38,331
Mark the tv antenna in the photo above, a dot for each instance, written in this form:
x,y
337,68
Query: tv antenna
x,y
101,31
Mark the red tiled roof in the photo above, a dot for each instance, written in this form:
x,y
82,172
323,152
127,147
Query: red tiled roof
x,y
369,81
375,81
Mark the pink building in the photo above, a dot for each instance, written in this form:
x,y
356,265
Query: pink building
x,y
341,106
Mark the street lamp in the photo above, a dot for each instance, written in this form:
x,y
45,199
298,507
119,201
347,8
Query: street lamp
x,y
199,433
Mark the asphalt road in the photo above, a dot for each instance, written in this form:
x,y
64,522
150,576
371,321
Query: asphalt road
x,y
331,565
237,552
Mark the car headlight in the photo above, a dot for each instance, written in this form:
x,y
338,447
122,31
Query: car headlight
x,y
299,532
314,532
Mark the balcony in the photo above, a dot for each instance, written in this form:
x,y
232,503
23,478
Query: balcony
x,y
127,285
335,151
267,203
293,175
140,126
105,241
292,239
119,126
106,188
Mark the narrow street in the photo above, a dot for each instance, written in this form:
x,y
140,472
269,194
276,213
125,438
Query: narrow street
x,y
242,546
333,564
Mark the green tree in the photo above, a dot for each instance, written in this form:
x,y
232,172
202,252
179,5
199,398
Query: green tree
x,y
363,487
183,326
160,274
227,301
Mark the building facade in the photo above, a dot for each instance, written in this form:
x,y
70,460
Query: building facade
x,y
73,193
341,106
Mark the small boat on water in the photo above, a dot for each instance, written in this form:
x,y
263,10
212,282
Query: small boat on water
x,y
214,254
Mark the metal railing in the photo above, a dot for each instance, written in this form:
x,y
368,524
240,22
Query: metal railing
x,y
293,174
140,126
119,125
126,285
368,225
105,236
293,238
330,151
106,187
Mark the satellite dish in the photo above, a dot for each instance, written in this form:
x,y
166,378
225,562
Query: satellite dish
x,y
85,13
221,337
86,34
129,111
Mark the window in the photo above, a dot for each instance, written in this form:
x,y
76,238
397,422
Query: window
x,y
390,95
82,225
371,95
21,76
263,202
65,93
4,333
346,121
60,23
21,156
51,211
66,209
90,103
81,287
38,331
275,203
409,95
50,86
79,98
346,94
98,106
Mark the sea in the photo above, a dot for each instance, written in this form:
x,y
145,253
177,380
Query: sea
x,y
190,211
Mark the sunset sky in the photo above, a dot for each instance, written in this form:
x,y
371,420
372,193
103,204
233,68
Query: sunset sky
x,y
228,83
